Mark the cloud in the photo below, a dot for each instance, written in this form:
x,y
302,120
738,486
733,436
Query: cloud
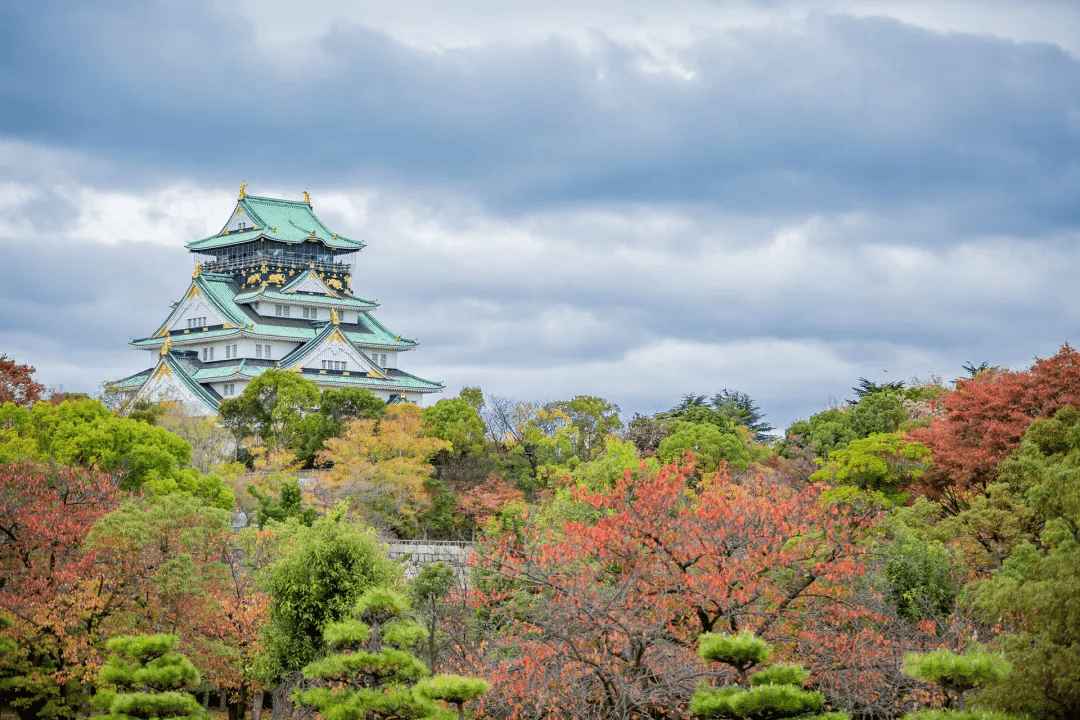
x,y
836,113
780,203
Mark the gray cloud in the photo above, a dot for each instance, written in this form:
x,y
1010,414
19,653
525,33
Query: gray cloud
x,y
817,201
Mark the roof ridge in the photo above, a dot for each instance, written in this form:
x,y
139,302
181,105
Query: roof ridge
x,y
277,200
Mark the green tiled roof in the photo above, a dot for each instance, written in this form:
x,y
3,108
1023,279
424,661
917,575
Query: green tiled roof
x,y
221,292
344,301
290,221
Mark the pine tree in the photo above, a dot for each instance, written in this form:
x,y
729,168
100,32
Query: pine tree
x,y
957,674
145,678
372,672
774,691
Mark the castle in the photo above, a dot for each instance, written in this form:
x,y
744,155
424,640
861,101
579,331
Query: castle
x,y
272,289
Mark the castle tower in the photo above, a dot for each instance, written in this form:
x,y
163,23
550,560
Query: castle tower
x,y
272,290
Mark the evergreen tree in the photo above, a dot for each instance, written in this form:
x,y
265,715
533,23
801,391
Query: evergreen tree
x,y
372,673
774,691
145,678
956,674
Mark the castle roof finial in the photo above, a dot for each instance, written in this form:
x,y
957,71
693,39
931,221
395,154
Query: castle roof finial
x,y
243,190
307,197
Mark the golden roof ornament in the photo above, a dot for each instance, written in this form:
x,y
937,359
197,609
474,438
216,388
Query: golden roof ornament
x,y
307,197
166,346
198,269
243,190
334,316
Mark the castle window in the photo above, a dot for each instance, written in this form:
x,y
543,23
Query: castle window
x,y
383,361
266,351
281,310
258,351
207,354
311,313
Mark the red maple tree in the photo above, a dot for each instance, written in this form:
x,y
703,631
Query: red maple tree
x,y
602,620
985,420
17,383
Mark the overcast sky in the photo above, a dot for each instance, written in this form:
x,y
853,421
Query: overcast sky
x,y
619,198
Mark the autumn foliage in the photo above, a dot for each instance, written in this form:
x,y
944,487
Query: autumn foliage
x,y
985,420
17,383
603,620
46,575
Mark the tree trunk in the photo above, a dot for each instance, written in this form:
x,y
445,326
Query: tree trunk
x,y
206,700
222,699
257,706
239,705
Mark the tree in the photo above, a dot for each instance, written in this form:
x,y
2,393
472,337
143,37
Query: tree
x,y
772,692
47,584
85,433
288,505
957,674
1036,594
882,462
709,445
599,619
456,421
272,405
377,676
146,678
742,410
593,418
336,407
868,387
985,420
382,465
325,570
431,584
17,385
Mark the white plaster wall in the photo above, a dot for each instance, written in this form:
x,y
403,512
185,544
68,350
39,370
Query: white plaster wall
x,y
195,308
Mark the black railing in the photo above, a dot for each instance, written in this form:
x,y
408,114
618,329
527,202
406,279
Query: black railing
x,y
272,264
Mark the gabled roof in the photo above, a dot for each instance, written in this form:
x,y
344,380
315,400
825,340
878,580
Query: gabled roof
x,y
221,292
329,333
350,302
290,221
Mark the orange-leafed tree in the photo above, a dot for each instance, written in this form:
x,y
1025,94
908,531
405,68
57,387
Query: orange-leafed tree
x,y
602,619
17,383
985,420
48,587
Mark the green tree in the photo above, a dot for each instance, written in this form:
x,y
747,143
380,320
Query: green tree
x,y
593,418
883,462
709,444
272,405
145,678
456,421
326,569
956,674
772,692
374,674
742,410
84,433
1036,594
290,504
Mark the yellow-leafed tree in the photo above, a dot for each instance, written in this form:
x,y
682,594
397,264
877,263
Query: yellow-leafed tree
x,y
382,465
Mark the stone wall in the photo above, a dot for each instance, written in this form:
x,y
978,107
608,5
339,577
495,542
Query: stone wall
x,y
416,553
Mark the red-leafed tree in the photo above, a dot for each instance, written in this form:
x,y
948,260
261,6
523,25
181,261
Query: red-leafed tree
x,y
17,383
181,570
985,420
602,621
487,499
47,583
